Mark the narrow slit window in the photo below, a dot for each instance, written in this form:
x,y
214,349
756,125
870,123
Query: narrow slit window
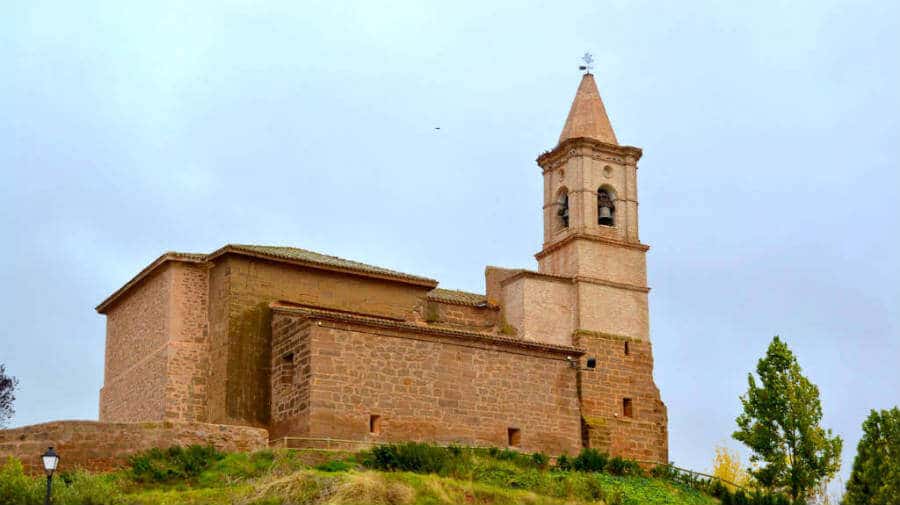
x,y
374,424
514,437
287,368
627,408
627,349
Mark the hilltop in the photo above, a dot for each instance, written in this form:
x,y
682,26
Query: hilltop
x,y
409,474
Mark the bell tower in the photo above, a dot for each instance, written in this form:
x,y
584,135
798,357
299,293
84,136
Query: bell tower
x,y
591,237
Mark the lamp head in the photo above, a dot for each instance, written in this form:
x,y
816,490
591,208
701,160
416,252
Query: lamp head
x,y
50,460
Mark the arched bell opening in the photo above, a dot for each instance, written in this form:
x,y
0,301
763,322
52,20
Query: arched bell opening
x,y
562,209
606,207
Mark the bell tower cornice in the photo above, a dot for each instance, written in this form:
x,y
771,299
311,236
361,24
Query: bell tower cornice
x,y
591,148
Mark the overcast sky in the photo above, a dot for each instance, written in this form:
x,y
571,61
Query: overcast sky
x,y
768,187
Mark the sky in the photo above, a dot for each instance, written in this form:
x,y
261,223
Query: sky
x,y
768,188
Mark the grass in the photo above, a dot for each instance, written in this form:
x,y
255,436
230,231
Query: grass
x,y
454,476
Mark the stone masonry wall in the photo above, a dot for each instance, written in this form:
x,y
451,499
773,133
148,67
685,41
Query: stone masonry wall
x,y
540,308
242,354
188,346
99,446
136,355
137,325
291,376
460,316
157,351
436,389
618,376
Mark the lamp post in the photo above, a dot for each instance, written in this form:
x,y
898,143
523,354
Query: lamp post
x,y
50,460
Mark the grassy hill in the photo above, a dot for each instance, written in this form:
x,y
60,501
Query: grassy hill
x,y
410,474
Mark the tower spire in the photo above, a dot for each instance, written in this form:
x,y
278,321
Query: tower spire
x,y
587,117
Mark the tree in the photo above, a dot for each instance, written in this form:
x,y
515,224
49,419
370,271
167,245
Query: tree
x,y
780,424
727,466
7,396
875,479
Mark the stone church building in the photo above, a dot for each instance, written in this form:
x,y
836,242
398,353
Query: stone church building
x,y
310,346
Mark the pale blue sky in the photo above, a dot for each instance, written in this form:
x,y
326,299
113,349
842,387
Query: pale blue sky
x,y
768,188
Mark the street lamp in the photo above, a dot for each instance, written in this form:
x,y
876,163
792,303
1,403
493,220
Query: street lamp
x,y
50,460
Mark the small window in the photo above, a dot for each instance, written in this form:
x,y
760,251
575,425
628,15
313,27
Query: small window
x,y
627,409
606,209
374,424
287,368
514,437
627,349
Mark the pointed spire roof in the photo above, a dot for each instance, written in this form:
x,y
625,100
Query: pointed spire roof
x,y
587,117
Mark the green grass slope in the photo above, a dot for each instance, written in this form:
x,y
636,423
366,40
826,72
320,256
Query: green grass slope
x,y
444,476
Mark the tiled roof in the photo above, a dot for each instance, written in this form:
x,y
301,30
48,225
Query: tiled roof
x,y
276,253
314,258
457,297
346,317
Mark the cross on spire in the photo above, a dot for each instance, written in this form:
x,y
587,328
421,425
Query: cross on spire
x,y
588,63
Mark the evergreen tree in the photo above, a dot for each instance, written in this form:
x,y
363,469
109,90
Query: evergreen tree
x,y
780,424
875,479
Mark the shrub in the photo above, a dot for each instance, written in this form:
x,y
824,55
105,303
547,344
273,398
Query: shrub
x,y
619,466
540,460
16,487
335,466
408,457
563,463
174,463
590,460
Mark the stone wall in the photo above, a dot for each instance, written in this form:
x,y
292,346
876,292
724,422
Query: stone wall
x,y
426,387
460,316
540,307
241,338
157,349
99,446
619,376
135,361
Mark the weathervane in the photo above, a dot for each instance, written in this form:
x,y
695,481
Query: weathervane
x,y
588,63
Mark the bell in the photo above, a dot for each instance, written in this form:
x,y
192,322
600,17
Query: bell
x,y
605,216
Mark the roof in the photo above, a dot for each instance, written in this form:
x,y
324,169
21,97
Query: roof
x,y
291,255
382,322
312,258
457,297
587,116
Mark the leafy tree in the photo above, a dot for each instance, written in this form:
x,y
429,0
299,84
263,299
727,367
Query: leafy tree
x,y
7,396
727,466
875,479
780,424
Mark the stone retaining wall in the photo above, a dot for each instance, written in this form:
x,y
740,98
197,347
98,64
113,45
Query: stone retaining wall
x,y
98,446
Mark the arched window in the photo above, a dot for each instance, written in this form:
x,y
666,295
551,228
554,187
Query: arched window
x,y
562,210
606,208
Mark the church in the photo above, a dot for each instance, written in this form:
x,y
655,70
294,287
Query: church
x,y
313,348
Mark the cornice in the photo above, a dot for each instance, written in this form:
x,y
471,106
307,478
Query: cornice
x,y
401,278
406,327
608,336
612,284
637,246
626,155
537,275
149,269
